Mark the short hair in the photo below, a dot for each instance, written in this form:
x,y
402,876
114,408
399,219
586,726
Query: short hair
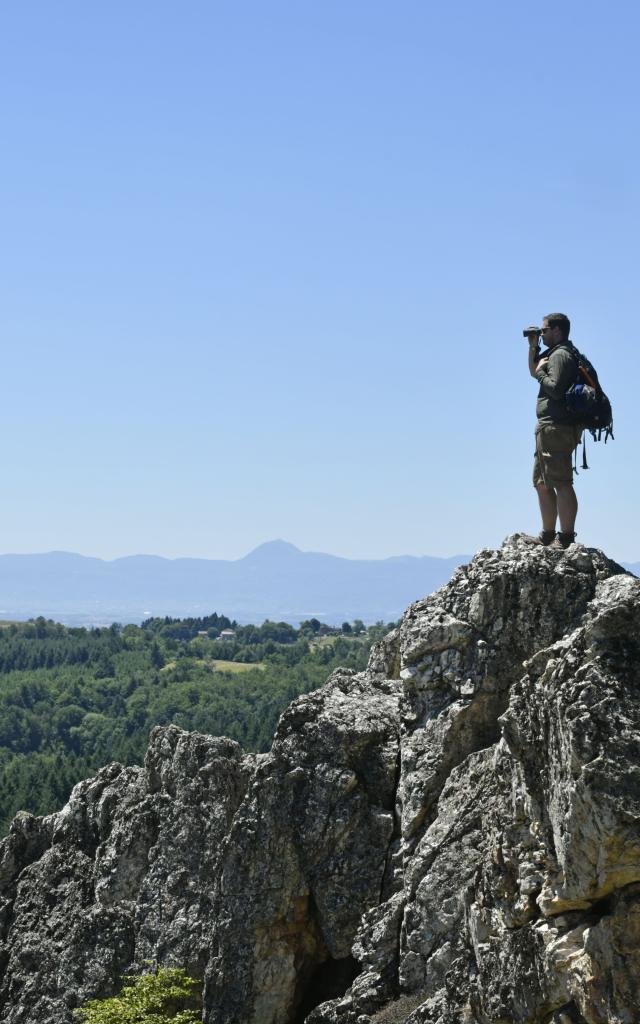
x,y
559,320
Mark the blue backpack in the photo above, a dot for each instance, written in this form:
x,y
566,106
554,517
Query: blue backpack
x,y
587,403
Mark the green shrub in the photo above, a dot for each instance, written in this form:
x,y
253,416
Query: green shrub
x,y
148,999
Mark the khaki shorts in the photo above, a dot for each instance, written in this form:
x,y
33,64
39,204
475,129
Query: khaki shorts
x,y
555,445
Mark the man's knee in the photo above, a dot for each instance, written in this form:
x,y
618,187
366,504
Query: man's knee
x,y
544,491
564,489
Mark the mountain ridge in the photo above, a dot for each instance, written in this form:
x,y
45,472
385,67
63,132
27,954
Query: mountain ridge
x,y
274,580
275,544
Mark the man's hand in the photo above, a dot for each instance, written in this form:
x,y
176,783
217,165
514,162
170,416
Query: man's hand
x,y
534,364
542,363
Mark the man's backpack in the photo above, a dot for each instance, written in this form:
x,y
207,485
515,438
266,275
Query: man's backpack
x,y
588,405
586,401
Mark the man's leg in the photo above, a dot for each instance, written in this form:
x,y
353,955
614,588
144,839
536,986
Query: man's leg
x,y
567,503
548,507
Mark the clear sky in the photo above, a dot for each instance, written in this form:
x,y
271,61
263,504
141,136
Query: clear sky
x,y
265,265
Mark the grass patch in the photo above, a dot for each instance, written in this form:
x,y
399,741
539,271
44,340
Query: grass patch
x,y
236,666
219,665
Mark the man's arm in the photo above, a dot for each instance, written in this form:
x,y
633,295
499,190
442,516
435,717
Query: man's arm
x,y
556,373
533,357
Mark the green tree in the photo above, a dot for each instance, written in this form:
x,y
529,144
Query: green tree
x,y
157,658
148,999
310,625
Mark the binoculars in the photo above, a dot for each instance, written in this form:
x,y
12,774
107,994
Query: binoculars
x,y
532,332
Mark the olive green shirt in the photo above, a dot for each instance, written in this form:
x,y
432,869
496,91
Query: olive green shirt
x,y
558,375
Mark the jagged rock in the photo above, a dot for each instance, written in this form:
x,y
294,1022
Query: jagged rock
x,y
450,837
307,853
122,875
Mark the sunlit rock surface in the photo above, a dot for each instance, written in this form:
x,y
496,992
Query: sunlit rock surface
x,y
452,836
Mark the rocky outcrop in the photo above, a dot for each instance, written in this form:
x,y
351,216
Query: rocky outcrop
x,y
450,837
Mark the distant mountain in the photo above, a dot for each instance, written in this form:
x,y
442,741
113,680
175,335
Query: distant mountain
x,y
275,581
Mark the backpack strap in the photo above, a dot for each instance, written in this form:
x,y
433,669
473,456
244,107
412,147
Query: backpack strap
x,y
584,454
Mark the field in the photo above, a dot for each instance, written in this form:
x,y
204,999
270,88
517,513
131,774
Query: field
x,y
220,665
236,666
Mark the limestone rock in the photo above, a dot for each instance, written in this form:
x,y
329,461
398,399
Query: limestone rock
x,y
450,837
122,875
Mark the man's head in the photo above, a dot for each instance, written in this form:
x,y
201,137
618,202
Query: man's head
x,y
555,329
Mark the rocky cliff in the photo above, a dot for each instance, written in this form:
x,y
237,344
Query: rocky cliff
x,y
452,836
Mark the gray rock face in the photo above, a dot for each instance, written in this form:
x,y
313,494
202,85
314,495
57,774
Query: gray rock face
x,y
452,836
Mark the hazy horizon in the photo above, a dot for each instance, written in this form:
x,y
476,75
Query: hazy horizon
x,y
624,559
274,581
213,558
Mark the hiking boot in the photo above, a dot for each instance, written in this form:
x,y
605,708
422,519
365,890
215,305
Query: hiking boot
x,y
546,537
563,540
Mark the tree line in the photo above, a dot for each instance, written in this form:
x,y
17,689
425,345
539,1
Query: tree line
x,y
74,699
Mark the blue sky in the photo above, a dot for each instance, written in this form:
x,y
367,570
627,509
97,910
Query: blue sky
x,y
265,267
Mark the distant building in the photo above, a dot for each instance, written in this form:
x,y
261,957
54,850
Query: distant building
x,y
227,634
202,632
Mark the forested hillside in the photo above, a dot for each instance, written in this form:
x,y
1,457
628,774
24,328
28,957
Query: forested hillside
x,y
71,700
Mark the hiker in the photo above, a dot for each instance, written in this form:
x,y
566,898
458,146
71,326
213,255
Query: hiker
x,y
557,436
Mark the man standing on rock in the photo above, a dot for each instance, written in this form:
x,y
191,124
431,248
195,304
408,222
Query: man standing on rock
x,y
556,436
